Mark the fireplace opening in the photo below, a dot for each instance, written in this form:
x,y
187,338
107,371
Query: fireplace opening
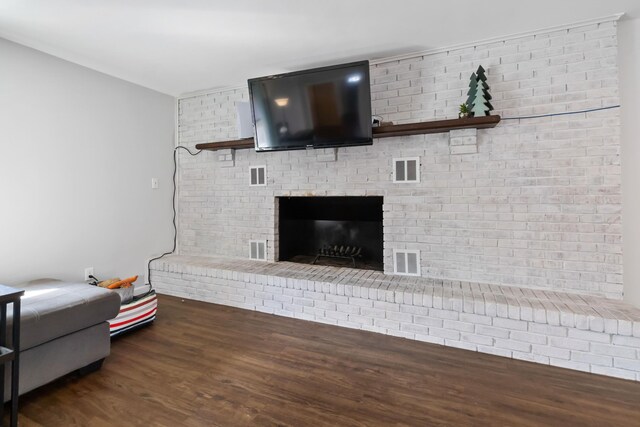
x,y
338,231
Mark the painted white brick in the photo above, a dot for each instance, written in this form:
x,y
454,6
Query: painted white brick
x,y
510,324
610,326
569,343
477,339
372,312
444,333
414,328
590,358
399,317
511,161
475,319
589,336
411,309
629,364
346,308
388,324
443,314
337,298
625,327
492,331
613,372
463,149
556,331
272,304
336,315
627,341
552,352
430,321
569,364
528,337
361,302
386,305
596,324
303,302
363,320
522,347
613,350
458,326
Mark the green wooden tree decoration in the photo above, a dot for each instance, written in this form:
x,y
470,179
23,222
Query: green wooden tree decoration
x,y
471,95
481,97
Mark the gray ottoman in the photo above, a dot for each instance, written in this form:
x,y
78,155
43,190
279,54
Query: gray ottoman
x,y
63,328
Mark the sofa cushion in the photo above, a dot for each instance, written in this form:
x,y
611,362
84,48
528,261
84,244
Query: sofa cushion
x,y
51,309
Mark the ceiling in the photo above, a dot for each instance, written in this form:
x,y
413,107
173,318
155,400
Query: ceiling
x,y
181,46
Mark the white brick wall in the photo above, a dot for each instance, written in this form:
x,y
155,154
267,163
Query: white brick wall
x,y
448,313
535,203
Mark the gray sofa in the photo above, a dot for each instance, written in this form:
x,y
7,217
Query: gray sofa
x,y
63,329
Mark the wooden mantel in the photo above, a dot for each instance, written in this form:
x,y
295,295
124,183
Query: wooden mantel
x,y
436,126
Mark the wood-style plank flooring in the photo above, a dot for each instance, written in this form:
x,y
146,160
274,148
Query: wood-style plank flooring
x,y
210,365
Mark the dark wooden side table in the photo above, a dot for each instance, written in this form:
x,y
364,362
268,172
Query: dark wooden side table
x,y
10,354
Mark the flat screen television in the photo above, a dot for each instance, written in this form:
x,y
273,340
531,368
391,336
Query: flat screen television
x,y
318,108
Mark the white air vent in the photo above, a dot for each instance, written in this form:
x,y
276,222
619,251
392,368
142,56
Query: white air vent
x,y
258,175
406,169
258,250
406,262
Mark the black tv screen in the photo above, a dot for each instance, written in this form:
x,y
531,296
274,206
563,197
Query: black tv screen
x,y
318,108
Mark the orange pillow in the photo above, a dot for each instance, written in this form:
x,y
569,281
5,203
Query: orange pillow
x,y
123,283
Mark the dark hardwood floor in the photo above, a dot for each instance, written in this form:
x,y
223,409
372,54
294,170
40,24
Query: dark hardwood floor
x,y
210,365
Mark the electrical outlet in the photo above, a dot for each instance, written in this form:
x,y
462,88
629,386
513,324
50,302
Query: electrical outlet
x,y
154,183
88,272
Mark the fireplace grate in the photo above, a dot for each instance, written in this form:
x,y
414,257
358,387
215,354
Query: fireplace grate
x,y
339,251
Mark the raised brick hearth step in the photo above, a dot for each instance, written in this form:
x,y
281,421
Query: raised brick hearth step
x,y
574,331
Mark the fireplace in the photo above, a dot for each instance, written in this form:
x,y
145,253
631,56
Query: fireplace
x,y
339,231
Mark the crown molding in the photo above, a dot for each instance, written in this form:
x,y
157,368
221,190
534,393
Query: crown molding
x,y
545,30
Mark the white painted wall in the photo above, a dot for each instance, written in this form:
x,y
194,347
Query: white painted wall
x,y
629,58
78,151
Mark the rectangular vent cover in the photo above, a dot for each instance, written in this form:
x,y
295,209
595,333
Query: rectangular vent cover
x,y
406,262
406,169
258,250
258,175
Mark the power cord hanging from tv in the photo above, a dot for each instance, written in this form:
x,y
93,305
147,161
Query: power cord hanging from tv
x,y
173,204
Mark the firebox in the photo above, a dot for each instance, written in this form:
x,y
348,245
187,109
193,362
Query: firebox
x,y
339,231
